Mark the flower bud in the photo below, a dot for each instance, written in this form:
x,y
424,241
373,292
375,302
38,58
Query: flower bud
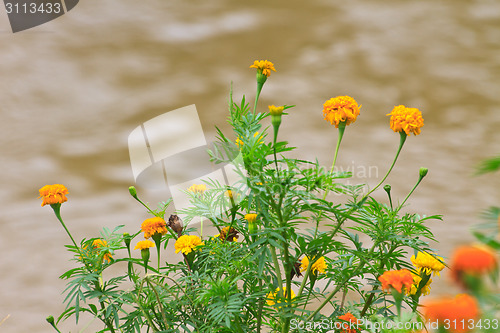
x,y
145,255
50,320
261,78
423,172
175,223
127,239
132,191
387,188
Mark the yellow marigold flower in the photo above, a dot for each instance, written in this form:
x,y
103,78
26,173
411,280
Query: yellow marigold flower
x,y
276,110
144,244
396,279
428,263
197,189
154,225
341,109
472,260
229,194
251,217
458,309
416,282
319,266
349,323
272,297
53,194
406,119
263,66
187,243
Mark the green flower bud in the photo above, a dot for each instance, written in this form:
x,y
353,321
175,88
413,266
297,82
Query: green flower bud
x,y
423,172
127,239
387,188
261,78
50,320
132,191
145,255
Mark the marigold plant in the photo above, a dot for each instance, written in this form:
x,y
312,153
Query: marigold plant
x,y
296,243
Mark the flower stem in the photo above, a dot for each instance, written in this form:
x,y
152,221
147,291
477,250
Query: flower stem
x,y
402,139
362,262
259,89
339,140
57,211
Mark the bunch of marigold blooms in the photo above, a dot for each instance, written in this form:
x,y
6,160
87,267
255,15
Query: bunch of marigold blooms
x,y
470,265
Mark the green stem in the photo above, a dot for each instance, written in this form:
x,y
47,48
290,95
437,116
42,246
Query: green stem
x,y
409,194
402,139
261,306
57,211
276,267
342,126
259,89
362,262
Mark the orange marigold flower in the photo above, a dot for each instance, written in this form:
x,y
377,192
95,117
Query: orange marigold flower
x,y
187,243
459,309
143,245
473,260
154,225
350,323
263,66
53,194
396,279
341,109
406,119
98,243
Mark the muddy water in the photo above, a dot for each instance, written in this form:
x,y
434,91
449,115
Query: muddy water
x,y
73,89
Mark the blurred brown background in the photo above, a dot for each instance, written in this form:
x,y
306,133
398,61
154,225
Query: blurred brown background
x,y
73,89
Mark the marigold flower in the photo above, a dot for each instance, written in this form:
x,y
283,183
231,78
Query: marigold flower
x,y
97,243
229,234
144,244
428,263
416,282
406,119
319,266
251,217
272,297
276,110
459,309
473,260
154,225
197,189
187,243
349,323
263,66
396,279
341,109
53,194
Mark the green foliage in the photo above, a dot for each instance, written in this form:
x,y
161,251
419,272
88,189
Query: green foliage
x,y
226,285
